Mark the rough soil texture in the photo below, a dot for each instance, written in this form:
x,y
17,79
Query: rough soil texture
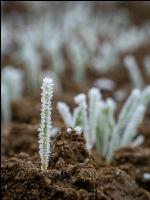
x,y
135,161
71,175
20,137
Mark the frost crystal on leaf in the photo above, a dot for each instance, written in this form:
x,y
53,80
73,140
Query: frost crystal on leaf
x,y
46,123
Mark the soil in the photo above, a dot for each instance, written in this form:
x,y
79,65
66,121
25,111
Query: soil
x,y
20,137
71,175
135,161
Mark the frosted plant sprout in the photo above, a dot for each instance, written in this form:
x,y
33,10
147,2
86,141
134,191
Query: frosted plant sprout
x,y
5,104
134,72
33,66
147,64
51,74
98,123
126,41
145,97
129,118
111,35
74,26
45,129
53,47
13,79
11,89
79,56
6,38
82,115
29,57
46,34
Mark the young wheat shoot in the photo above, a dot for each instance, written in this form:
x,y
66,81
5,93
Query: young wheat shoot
x,y
46,122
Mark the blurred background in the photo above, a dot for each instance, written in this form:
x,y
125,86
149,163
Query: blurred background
x,y
78,44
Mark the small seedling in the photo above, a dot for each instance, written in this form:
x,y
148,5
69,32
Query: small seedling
x,y
134,72
12,88
147,64
46,122
5,104
78,55
32,62
98,123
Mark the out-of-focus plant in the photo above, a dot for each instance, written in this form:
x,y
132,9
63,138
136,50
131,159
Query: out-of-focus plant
x,y
134,72
79,57
105,84
55,32
147,64
12,88
6,38
98,123
106,58
53,47
5,104
126,39
145,97
13,79
129,118
29,57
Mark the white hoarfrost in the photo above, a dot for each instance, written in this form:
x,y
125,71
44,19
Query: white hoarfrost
x,y
46,122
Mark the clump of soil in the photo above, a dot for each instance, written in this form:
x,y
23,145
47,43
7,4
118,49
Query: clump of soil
x,y
71,175
117,184
69,147
135,161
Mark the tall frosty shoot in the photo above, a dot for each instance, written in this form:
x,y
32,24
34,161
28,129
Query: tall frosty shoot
x,y
46,123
